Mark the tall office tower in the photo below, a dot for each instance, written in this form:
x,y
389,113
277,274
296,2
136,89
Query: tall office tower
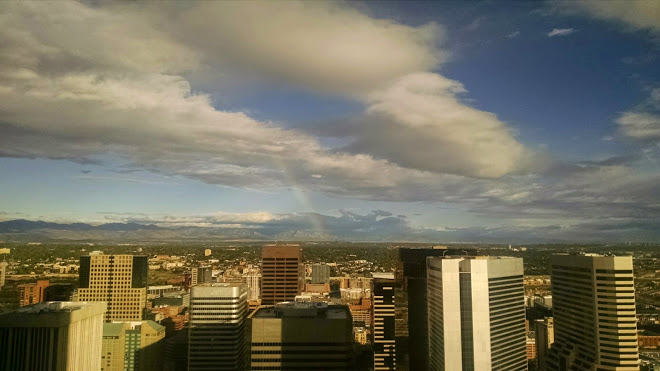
x,y
253,281
384,331
57,336
320,273
119,280
216,337
544,332
113,346
3,272
282,273
411,317
476,314
594,313
32,293
301,336
201,274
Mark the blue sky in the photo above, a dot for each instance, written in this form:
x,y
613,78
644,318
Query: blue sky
x,y
504,117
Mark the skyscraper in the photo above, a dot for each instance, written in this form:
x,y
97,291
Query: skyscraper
x,y
383,323
476,314
301,336
594,313
57,336
218,314
119,280
282,273
544,332
320,273
411,307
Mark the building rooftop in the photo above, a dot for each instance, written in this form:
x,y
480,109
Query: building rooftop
x,y
51,314
302,310
112,328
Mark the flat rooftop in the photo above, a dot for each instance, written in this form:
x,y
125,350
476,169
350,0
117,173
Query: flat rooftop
x,y
302,310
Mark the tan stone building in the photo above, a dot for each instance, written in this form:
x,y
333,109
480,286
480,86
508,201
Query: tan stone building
x,y
57,336
118,280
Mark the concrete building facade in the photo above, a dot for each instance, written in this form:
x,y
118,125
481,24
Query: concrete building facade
x,y
282,273
476,314
320,273
301,336
217,331
52,336
253,282
594,314
118,280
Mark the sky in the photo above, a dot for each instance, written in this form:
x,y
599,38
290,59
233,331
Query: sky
x,y
452,120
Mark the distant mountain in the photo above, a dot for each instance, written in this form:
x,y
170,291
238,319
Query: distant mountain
x,y
22,226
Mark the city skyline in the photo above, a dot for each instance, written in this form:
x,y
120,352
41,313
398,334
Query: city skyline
x,y
458,121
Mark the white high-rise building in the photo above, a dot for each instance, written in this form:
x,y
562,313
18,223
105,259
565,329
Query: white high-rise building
x,y
476,314
3,271
216,338
57,336
253,281
594,314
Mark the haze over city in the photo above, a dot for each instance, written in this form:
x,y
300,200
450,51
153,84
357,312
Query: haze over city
x,y
413,121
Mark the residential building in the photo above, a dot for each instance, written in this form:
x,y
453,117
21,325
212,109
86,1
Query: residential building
x,y
476,314
384,329
282,273
361,313
320,273
119,280
360,334
217,329
531,345
594,313
301,336
32,293
57,336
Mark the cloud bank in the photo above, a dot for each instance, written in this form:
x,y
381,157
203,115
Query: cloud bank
x,y
78,82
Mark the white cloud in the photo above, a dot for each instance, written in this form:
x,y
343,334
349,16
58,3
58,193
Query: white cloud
x,y
513,34
326,46
643,121
636,14
640,125
561,32
418,122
